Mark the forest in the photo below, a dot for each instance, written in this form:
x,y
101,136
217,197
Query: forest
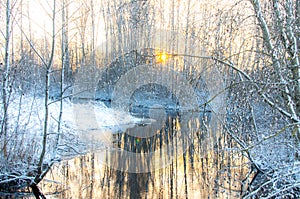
x,y
150,99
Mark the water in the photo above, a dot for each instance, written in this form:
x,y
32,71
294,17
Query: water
x,y
209,168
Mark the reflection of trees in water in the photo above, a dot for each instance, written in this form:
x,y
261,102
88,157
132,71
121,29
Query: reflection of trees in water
x,y
138,183
212,169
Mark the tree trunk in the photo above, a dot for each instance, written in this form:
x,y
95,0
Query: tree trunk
x,y
41,172
37,192
5,86
296,70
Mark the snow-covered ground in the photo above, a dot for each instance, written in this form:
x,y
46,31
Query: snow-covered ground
x,y
85,126
32,113
95,123
82,124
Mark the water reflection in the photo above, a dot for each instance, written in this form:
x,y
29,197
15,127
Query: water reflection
x,y
201,166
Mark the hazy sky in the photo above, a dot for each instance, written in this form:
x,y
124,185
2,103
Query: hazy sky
x,y
40,14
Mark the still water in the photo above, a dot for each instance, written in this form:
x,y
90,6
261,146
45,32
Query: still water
x,y
189,158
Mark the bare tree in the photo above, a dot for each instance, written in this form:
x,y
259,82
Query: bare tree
x,y
6,90
279,42
264,113
82,26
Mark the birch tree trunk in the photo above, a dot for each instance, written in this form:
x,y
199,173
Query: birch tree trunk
x,y
42,172
62,73
5,75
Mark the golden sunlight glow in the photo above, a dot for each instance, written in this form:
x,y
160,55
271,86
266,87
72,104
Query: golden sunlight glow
x,y
162,57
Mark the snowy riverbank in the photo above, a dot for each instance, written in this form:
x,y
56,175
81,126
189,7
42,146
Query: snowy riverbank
x,y
24,139
22,145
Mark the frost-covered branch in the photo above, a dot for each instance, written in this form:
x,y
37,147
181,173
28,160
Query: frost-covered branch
x,y
293,116
291,104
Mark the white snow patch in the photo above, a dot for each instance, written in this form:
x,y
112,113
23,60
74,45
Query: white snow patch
x,y
82,123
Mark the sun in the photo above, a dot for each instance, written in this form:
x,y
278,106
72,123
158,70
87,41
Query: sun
x,y
162,57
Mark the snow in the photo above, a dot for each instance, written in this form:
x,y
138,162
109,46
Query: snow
x,y
96,123
81,123
106,116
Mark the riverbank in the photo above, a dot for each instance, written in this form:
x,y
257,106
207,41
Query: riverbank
x,y
24,140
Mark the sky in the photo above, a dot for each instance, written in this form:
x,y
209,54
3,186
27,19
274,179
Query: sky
x,y
41,22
